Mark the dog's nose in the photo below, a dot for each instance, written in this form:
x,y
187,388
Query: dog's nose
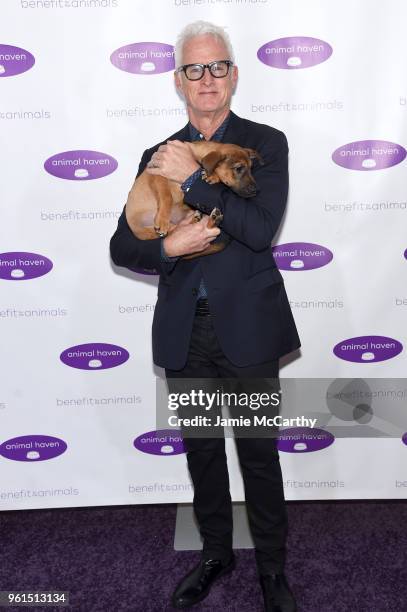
x,y
251,190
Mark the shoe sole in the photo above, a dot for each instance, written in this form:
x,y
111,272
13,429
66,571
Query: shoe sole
x,y
226,570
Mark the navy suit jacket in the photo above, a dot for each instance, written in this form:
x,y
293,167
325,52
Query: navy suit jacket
x,y
251,313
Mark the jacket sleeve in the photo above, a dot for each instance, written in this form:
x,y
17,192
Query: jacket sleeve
x,y
129,251
253,221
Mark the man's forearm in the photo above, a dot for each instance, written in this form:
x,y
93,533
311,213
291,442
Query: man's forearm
x,y
129,251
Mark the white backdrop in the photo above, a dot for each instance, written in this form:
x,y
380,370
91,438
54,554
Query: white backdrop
x,y
74,124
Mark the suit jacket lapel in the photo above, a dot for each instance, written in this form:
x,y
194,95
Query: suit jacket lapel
x,y
235,131
182,135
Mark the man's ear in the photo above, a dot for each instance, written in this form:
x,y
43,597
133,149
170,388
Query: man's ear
x,y
178,84
210,161
254,155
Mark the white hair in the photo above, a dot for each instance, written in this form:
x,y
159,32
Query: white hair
x,y
200,28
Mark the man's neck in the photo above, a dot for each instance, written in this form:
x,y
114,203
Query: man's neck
x,y
208,124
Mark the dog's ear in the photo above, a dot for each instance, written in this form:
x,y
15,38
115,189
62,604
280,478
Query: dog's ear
x,y
211,160
254,155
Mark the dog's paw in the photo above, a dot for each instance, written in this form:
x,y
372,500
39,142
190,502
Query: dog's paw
x,y
215,217
211,179
161,226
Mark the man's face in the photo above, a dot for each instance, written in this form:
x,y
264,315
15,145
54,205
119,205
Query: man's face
x,y
209,93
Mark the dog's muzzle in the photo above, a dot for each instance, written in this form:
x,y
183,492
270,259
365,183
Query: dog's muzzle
x,y
248,192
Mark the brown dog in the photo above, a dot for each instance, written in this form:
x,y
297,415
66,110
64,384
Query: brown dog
x,y
155,205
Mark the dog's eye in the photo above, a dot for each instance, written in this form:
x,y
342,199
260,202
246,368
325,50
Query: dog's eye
x,y
239,169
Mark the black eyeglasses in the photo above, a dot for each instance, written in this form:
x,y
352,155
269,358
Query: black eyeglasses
x,y
194,72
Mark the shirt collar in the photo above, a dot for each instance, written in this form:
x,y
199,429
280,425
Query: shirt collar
x,y
217,136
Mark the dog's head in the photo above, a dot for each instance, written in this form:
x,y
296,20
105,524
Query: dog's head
x,y
232,166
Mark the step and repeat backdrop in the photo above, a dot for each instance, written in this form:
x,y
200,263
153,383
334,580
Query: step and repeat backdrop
x,y
86,86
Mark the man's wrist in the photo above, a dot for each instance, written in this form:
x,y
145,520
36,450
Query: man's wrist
x,y
165,257
190,180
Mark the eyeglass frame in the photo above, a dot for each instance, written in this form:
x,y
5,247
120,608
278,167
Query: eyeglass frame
x,y
228,62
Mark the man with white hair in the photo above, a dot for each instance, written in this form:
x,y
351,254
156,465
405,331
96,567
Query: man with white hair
x,y
225,315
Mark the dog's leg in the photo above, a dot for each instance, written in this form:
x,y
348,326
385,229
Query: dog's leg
x,y
209,162
211,179
164,205
215,218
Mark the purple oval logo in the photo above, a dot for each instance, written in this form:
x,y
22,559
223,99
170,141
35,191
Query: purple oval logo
x,y
404,438
369,155
301,256
161,442
80,165
32,448
14,60
368,349
294,52
144,58
303,440
405,254
23,266
94,356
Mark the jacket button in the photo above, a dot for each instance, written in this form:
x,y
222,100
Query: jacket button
x,y
194,291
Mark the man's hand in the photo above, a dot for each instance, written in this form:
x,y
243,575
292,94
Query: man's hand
x,y
189,237
174,161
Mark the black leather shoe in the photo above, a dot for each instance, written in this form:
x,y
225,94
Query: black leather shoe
x,y
278,596
197,584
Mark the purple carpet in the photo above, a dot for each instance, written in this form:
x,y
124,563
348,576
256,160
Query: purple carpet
x,y
342,557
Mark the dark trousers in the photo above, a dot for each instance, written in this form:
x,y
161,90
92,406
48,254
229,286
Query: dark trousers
x,y
258,458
